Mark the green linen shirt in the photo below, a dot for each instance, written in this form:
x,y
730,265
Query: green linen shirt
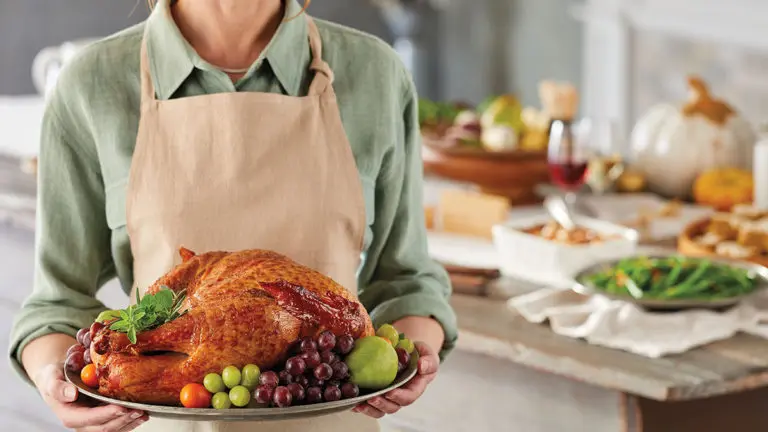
x,y
89,132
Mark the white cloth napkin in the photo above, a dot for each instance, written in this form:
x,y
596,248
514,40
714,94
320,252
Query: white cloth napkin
x,y
621,325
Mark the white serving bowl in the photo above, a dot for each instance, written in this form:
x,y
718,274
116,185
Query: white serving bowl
x,y
536,259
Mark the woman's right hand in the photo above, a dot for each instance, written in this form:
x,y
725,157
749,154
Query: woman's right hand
x,y
62,397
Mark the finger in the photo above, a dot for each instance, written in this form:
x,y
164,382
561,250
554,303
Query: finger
x,y
408,393
428,360
115,424
368,410
134,424
79,416
384,405
57,388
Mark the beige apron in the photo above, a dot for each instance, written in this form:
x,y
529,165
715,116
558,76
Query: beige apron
x,y
244,170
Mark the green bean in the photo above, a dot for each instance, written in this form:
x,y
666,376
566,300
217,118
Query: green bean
x,y
690,290
672,277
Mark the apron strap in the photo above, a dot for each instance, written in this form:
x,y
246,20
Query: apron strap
x,y
323,73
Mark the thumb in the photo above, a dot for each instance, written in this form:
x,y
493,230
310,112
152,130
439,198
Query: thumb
x,y
429,362
59,389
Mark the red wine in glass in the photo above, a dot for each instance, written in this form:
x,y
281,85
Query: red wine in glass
x,y
568,174
568,156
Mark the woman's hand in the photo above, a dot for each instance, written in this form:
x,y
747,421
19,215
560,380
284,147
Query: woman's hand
x,y
392,401
62,396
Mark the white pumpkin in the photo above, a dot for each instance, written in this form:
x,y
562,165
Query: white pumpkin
x,y
672,146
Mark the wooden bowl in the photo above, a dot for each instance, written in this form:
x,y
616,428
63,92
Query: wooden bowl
x,y
687,246
514,174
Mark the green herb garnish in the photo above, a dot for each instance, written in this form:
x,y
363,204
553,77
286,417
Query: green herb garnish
x,y
150,311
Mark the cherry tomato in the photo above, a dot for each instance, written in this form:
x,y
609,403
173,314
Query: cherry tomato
x,y
195,396
88,375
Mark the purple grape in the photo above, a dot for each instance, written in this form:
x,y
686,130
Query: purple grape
x,y
312,359
297,392
95,327
87,339
333,383
302,380
340,371
332,394
87,356
344,344
269,378
403,358
308,345
314,395
328,357
282,397
326,340
75,348
285,377
315,382
295,366
263,394
80,334
350,390
75,362
324,371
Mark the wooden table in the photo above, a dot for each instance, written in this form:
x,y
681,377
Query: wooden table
x,y
719,387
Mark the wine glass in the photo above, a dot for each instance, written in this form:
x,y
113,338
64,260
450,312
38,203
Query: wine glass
x,y
568,157
606,164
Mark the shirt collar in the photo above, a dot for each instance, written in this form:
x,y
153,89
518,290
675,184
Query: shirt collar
x,y
172,59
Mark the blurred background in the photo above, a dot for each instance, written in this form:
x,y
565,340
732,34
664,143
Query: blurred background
x,y
494,75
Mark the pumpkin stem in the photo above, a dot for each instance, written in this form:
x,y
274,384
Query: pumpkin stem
x,y
699,88
702,103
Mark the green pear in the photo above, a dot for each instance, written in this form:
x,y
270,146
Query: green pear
x,y
505,110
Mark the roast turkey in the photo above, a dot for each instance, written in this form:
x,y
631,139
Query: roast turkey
x,y
242,307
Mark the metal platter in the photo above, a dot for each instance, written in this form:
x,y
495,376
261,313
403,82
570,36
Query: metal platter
x,y
759,271
248,413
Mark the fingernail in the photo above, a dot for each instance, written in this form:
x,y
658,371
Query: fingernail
x,y
70,393
424,364
135,415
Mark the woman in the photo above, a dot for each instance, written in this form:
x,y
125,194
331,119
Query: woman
x,y
230,124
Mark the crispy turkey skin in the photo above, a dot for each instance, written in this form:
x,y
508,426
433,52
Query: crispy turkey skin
x,y
242,307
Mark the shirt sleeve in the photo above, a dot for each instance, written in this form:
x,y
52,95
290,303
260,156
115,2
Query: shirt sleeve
x,y
72,250
399,278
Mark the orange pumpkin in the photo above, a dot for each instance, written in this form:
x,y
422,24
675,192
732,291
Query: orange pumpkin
x,y
723,188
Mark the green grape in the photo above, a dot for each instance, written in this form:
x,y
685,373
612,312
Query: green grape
x,y
406,345
231,376
221,401
240,396
213,383
250,378
389,332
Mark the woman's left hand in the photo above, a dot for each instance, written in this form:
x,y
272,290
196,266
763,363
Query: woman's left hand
x,y
392,401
